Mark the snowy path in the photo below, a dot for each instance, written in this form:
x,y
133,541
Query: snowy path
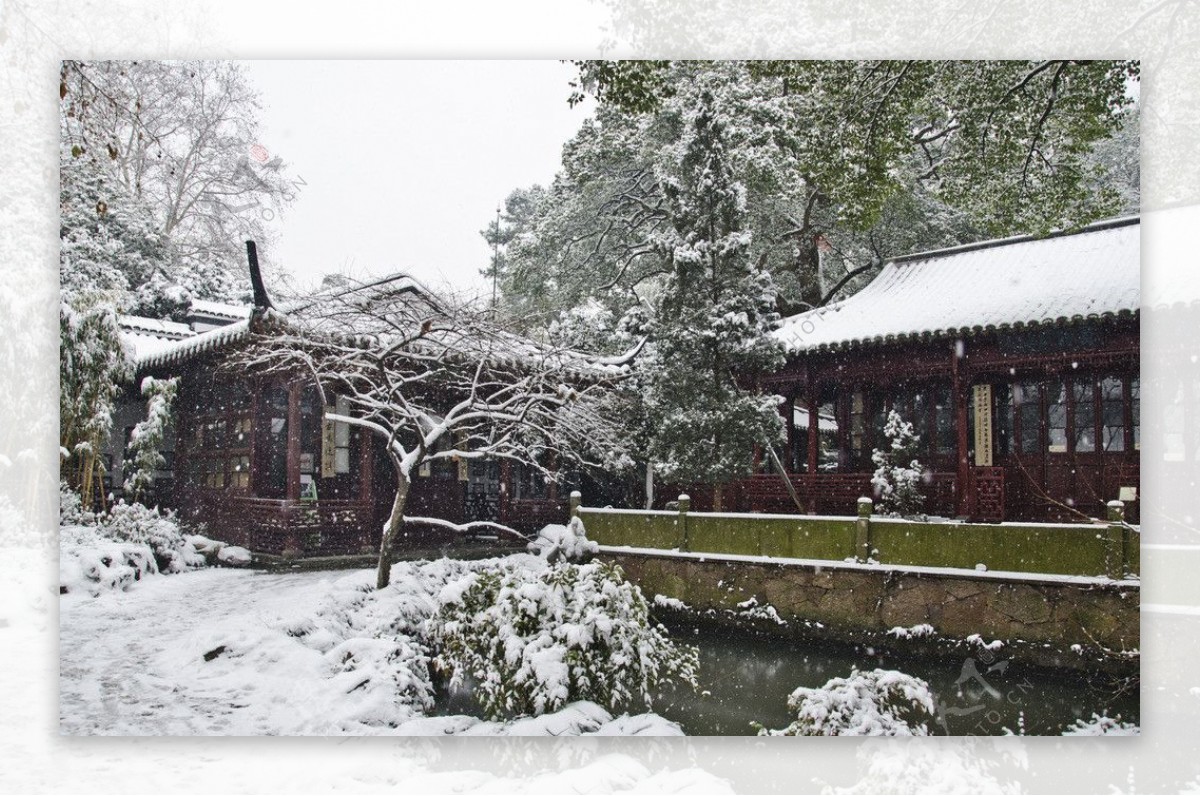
x,y
130,662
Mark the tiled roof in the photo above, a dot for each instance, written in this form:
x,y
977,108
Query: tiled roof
x,y
216,309
181,350
1013,283
155,327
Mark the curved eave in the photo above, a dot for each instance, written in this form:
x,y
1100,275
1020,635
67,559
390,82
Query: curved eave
x,y
903,338
195,346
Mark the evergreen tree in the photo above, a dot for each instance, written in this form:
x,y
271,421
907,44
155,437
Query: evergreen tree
x,y
713,320
897,477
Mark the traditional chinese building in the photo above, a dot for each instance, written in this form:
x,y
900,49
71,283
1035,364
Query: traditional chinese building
x,y
1016,360
251,456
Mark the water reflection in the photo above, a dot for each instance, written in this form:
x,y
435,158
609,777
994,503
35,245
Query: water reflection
x,y
747,678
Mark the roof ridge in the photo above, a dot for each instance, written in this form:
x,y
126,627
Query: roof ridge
x,y
1097,226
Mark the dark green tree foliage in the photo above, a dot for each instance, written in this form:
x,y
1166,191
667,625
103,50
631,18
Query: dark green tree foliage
x,y
714,319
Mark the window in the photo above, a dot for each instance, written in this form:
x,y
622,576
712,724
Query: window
x,y
1027,405
530,483
943,420
1084,397
1056,417
829,452
1112,414
1135,396
221,438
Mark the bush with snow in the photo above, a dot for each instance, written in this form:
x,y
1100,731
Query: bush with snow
x,y
897,477
537,638
133,522
563,543
1102,725
879,702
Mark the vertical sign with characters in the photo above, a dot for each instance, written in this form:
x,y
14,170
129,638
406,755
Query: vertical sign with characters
x,y
983,425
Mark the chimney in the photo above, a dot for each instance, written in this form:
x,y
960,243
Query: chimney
x,y
261,300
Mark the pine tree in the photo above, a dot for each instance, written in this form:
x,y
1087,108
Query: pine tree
x,y
713,320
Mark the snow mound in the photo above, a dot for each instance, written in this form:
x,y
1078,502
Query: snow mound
x,y
916,631
879,702
91,564
232,556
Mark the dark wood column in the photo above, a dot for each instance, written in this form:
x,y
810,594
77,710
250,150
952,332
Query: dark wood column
x,y
959,390
814,431
789,424
293,441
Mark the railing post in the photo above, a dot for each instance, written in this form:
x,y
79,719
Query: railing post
x,y
685,505
862,531
1115,554
575,500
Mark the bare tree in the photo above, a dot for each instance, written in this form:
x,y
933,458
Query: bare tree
x,y
182,139
436,381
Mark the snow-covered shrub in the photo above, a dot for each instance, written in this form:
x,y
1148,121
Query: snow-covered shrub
x,y
537,638
879,702
133,522
385,680
897,477
563,542
1102,725
91,563
70,507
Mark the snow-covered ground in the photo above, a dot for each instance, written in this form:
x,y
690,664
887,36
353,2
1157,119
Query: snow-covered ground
x,y
232,652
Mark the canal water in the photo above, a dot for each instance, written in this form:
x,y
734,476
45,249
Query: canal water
x,y
747,678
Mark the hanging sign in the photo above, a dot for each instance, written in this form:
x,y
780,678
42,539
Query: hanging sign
x,y
983,425
328,447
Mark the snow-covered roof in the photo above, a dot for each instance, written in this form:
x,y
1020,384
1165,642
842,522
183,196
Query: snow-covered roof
x,y
215,309
180,350
999,285
155,327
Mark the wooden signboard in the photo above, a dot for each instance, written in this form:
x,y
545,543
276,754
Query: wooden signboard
x,y
983,425
328,446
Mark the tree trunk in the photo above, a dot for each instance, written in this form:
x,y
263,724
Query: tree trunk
x,y
649,485
395,522
808,270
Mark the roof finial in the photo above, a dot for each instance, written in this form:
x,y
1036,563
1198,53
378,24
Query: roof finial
x,y
261,300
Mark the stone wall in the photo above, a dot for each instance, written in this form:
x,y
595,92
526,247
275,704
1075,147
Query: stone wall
x,y
1074,622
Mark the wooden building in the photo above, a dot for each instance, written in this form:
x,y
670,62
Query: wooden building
x,y
251,457
1016,360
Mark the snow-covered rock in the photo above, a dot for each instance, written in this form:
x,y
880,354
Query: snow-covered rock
x,y
564,542
232,556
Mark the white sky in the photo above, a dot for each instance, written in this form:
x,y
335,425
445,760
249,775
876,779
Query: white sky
x,y
405,161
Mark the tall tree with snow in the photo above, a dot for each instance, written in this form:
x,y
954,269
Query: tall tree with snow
x,y
713,320
437,382
845,163
897,477
93,363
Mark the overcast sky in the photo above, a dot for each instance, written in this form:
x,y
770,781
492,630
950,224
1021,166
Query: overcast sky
x,y
405,161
